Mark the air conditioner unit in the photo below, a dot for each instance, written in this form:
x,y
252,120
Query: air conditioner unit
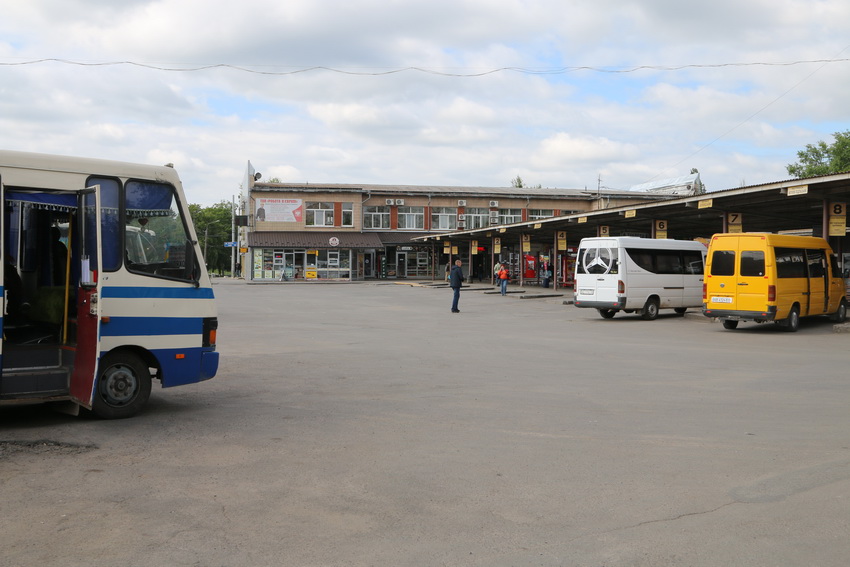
x,y
399,201
461,224
494,214
390,201
461,218
494,203
461,202
494,220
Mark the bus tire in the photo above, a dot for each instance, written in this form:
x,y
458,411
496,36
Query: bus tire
x,y
123,386
840,314
730,324
792,323
680,310
650,310
607,313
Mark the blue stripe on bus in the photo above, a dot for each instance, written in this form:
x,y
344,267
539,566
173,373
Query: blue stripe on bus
x,y
130,326
139,292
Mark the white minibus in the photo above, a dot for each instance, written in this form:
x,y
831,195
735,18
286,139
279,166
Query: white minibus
x,y
639,274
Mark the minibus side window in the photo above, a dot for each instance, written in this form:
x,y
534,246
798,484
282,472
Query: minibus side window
x,y
668,262
752,263
817,268
833,263
693,262
790,263
723,263
642,258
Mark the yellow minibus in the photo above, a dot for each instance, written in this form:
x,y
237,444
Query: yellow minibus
x,y
771,277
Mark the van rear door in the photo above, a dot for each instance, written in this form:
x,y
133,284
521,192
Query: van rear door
x,y
739,279
598,271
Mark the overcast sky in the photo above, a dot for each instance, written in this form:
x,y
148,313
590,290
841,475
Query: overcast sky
x,y
543,89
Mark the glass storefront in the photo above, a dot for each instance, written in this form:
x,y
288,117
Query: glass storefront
x,y
302,263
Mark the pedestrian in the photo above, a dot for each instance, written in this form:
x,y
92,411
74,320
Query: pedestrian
x,y
455,280
503,278
496,269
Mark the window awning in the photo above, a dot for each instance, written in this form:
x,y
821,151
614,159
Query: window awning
x,y
310,239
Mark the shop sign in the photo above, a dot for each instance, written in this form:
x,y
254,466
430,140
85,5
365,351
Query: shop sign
x,y
333,241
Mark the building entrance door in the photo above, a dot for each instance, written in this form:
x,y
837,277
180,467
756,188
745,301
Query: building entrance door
x,y
369,264
401,264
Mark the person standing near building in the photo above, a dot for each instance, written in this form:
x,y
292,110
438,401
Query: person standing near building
x,y
503,278
455,280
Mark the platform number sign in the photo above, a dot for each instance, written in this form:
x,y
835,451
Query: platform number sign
x,y
604,230
660,229
734,222
837,219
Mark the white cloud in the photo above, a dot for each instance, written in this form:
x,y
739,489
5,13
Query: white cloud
x,y
360,125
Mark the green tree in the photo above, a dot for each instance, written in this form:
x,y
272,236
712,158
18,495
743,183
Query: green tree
x,y
213,225
821,159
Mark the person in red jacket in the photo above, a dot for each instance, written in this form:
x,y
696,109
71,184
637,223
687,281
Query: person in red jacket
x,y
504,276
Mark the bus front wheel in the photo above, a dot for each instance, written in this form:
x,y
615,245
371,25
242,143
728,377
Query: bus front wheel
x,y
123,386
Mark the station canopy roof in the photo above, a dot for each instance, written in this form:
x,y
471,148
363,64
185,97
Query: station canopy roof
x,y
791,205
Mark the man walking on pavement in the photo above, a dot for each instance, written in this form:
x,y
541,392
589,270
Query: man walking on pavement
x,y
455,279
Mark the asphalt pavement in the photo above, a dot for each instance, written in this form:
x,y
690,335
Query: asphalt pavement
x,y
365,424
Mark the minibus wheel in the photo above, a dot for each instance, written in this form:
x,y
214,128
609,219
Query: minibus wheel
x,y
123,386
606,313
792,323
650,310
680,310
730,324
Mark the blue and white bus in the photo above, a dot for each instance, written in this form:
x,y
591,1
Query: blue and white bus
x,y
104,287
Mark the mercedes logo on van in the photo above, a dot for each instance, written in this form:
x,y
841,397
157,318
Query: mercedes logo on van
x,y
723,285
598,260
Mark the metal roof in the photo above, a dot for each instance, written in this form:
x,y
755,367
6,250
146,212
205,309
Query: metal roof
x,y
455,191
765,208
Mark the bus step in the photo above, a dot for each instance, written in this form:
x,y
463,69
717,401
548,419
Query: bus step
x,y
23,357
36,383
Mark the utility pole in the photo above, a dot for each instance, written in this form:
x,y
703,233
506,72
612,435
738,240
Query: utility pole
x,y
233,236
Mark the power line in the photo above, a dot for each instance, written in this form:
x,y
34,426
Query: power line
x,y
392,71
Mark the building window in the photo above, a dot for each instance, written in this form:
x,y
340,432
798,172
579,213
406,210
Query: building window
x,y
411,218
443,218
477,218
537,214
347,214
508,216
376,217
319,214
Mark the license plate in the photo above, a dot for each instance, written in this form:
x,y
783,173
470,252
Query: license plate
x,y
585,292
720,299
